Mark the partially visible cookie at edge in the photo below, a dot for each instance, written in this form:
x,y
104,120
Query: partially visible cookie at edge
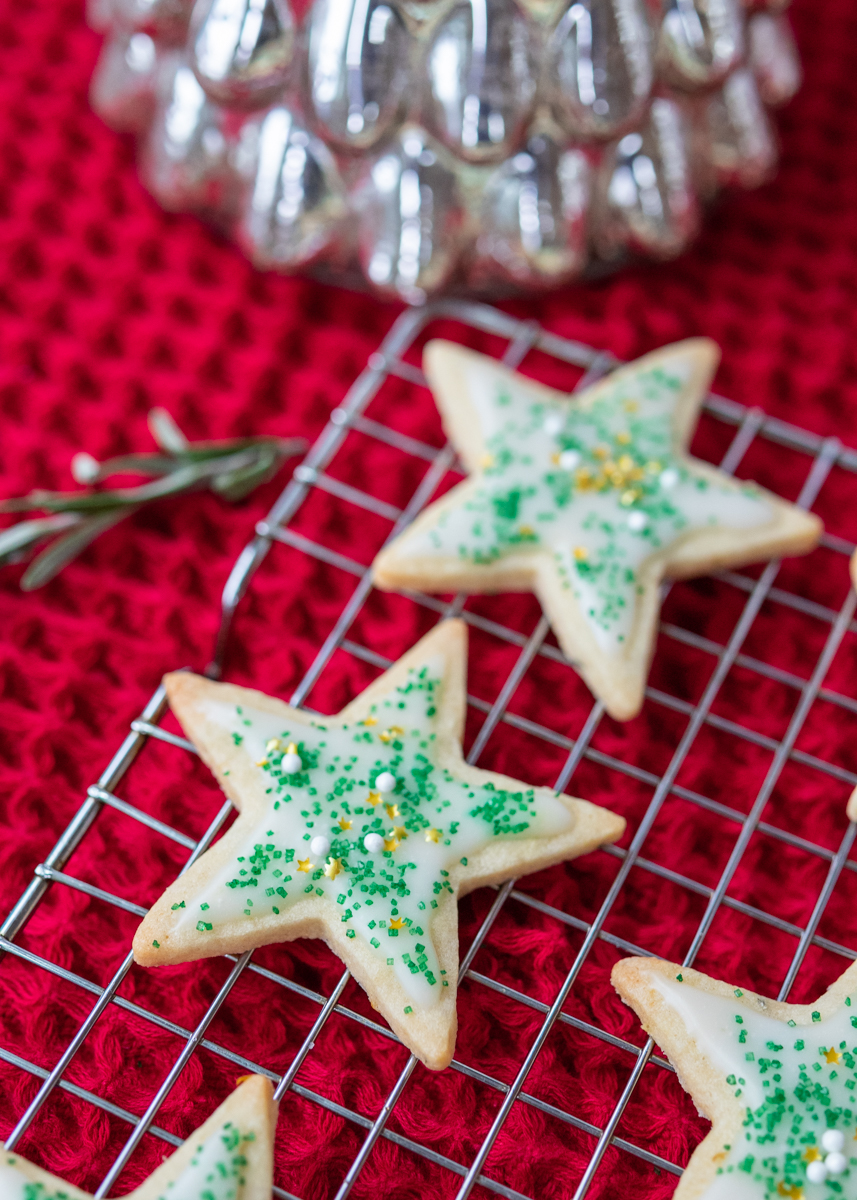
x,y
229,1157
776,1080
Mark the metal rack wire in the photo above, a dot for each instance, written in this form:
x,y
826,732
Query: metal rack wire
x,y
822,456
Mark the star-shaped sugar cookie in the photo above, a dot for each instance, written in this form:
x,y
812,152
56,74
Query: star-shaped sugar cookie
x,y
230,1157
361,829
589,500
777,1081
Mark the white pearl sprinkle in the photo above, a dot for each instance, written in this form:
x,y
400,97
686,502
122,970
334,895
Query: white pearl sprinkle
x,y
569,459
553,424
385,782
636,521
319,846
816,1172
835,1163
832,1140
291,763
373,842
669,477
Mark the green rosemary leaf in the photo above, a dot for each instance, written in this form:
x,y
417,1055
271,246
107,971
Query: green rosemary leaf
x,y
178,480
64,549
136,464
27,533
236,484
166,432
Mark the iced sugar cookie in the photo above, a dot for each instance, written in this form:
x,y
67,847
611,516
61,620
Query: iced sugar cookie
x,y
851,808
230,1157
590,501
777,1081
361,829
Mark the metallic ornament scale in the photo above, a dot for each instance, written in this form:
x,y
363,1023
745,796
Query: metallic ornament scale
x,y
358,70
533,220
297,201
701,41
242,49
644,198
480,79
598,70
411,219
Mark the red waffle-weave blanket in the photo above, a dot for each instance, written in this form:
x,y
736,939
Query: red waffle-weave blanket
x,y
109,306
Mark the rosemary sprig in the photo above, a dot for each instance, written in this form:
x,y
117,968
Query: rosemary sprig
x,y
232,469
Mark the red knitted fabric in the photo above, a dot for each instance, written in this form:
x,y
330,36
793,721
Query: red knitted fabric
x,y
109,306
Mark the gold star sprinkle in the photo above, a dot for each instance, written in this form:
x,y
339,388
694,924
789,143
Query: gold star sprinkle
x,y
305,865
555,459
629,497
583,478
623,438
526,531
832,1055
601,452
653,467
813,1154
291,748
400,832
374,798
391,844
581,553
392,810
795,1192
433,835
332,869
393,732
630,406
487,460
272,746
396,922
344,824
263,762
370,721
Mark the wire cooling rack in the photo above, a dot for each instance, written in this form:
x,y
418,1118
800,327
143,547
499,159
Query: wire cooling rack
x,y
429,466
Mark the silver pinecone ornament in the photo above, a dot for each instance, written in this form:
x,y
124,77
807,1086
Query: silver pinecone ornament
x,y
447,144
